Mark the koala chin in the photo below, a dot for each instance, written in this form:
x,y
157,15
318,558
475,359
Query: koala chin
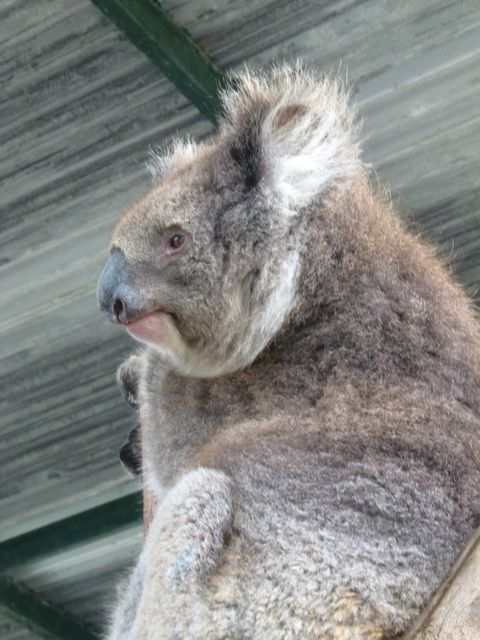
x,y
308,383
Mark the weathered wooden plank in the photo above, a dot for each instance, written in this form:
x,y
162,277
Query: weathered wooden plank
x,y
454,611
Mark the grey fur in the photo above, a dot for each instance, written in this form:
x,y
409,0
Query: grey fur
x,y
318,484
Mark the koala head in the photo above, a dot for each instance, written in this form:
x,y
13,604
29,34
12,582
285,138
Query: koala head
x,y
205,268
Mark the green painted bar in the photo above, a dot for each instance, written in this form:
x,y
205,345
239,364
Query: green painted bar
x,y
38,615
171,48
76,529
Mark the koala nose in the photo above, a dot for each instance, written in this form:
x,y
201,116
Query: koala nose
x,y
115,293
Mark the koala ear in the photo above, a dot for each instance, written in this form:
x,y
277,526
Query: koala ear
x,y
291,133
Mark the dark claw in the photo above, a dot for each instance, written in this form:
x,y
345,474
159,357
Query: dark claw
x,y
127,380
130,453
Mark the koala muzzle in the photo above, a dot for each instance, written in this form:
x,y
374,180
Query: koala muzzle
x,y
115,292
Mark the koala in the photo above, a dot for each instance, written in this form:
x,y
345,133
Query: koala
x,y
308,387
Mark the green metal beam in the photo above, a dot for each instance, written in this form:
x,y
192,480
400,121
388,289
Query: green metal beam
x,y
38,615
76,529
171,48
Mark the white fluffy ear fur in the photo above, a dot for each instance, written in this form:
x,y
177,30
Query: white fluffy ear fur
x,y
164,161
301,127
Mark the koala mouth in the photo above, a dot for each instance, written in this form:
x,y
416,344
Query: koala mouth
x,y
151,327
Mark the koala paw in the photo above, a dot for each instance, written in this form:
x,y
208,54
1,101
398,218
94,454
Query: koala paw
x,y
130,453
128,375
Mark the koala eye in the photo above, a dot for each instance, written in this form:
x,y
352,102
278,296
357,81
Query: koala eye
x,y
176,241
